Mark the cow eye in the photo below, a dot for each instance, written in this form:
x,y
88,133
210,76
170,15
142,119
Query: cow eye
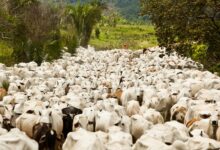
x,y
77,125
205,116
42,139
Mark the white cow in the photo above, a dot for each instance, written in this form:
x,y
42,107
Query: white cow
x,y
138,126
15,139
119,140
153,116
104,120
133,108
83,140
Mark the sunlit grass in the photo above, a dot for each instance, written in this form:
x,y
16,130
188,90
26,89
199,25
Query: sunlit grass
x,y
5,54
5,49
121,36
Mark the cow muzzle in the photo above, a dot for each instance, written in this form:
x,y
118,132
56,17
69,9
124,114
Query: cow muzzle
x,y
214,123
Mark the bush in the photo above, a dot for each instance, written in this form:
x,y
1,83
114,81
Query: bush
x,y
52,47
84,17
69,39
200,52
5,49
185,23
97,33
32,30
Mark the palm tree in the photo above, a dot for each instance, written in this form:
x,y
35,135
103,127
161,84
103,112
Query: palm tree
x,y
84,17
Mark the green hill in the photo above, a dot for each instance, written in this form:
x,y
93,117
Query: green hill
x,y
129,9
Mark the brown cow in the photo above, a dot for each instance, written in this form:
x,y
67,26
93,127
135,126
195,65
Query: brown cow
x,y
117,94
3,93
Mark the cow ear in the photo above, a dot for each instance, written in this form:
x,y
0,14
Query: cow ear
x,y
50,114
107,137
201,133
190,134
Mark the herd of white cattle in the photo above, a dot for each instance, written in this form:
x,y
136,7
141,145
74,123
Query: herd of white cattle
x,y
115,100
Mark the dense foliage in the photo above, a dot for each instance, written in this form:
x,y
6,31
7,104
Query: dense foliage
x,y
84,17
130,36
128,9
192,27
37,30
32,30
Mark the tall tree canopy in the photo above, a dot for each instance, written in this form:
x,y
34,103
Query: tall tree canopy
x,y
37,30
32,28
84,17
192,27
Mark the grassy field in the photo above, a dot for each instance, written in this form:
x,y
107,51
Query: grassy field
x,y
124,36
5,49
5,54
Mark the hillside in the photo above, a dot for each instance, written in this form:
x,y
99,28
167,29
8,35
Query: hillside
x,y
129,9
125,36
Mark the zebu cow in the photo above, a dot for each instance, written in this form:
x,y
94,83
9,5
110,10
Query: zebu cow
x,y
119,140
133,108
83,140
91,82
202,143
90,112
125,124
132,94
153,116
26,122
45,136
3,93
146,142
166,134
15,139
105,119
80,121
138,126
178,110
68,116
210,125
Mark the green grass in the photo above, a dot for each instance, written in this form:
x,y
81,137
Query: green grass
x,y
133,36
5,49
5,53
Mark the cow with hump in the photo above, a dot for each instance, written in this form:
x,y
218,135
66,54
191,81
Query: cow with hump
x,y
117,99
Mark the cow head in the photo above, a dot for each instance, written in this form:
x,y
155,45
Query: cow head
x,y
45,136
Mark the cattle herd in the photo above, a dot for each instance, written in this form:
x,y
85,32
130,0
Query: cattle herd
x,y
110,100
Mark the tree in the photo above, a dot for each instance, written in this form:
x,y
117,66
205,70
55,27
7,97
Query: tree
x,y
84,17
42,24
112,17
97,32
32,28
188,26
